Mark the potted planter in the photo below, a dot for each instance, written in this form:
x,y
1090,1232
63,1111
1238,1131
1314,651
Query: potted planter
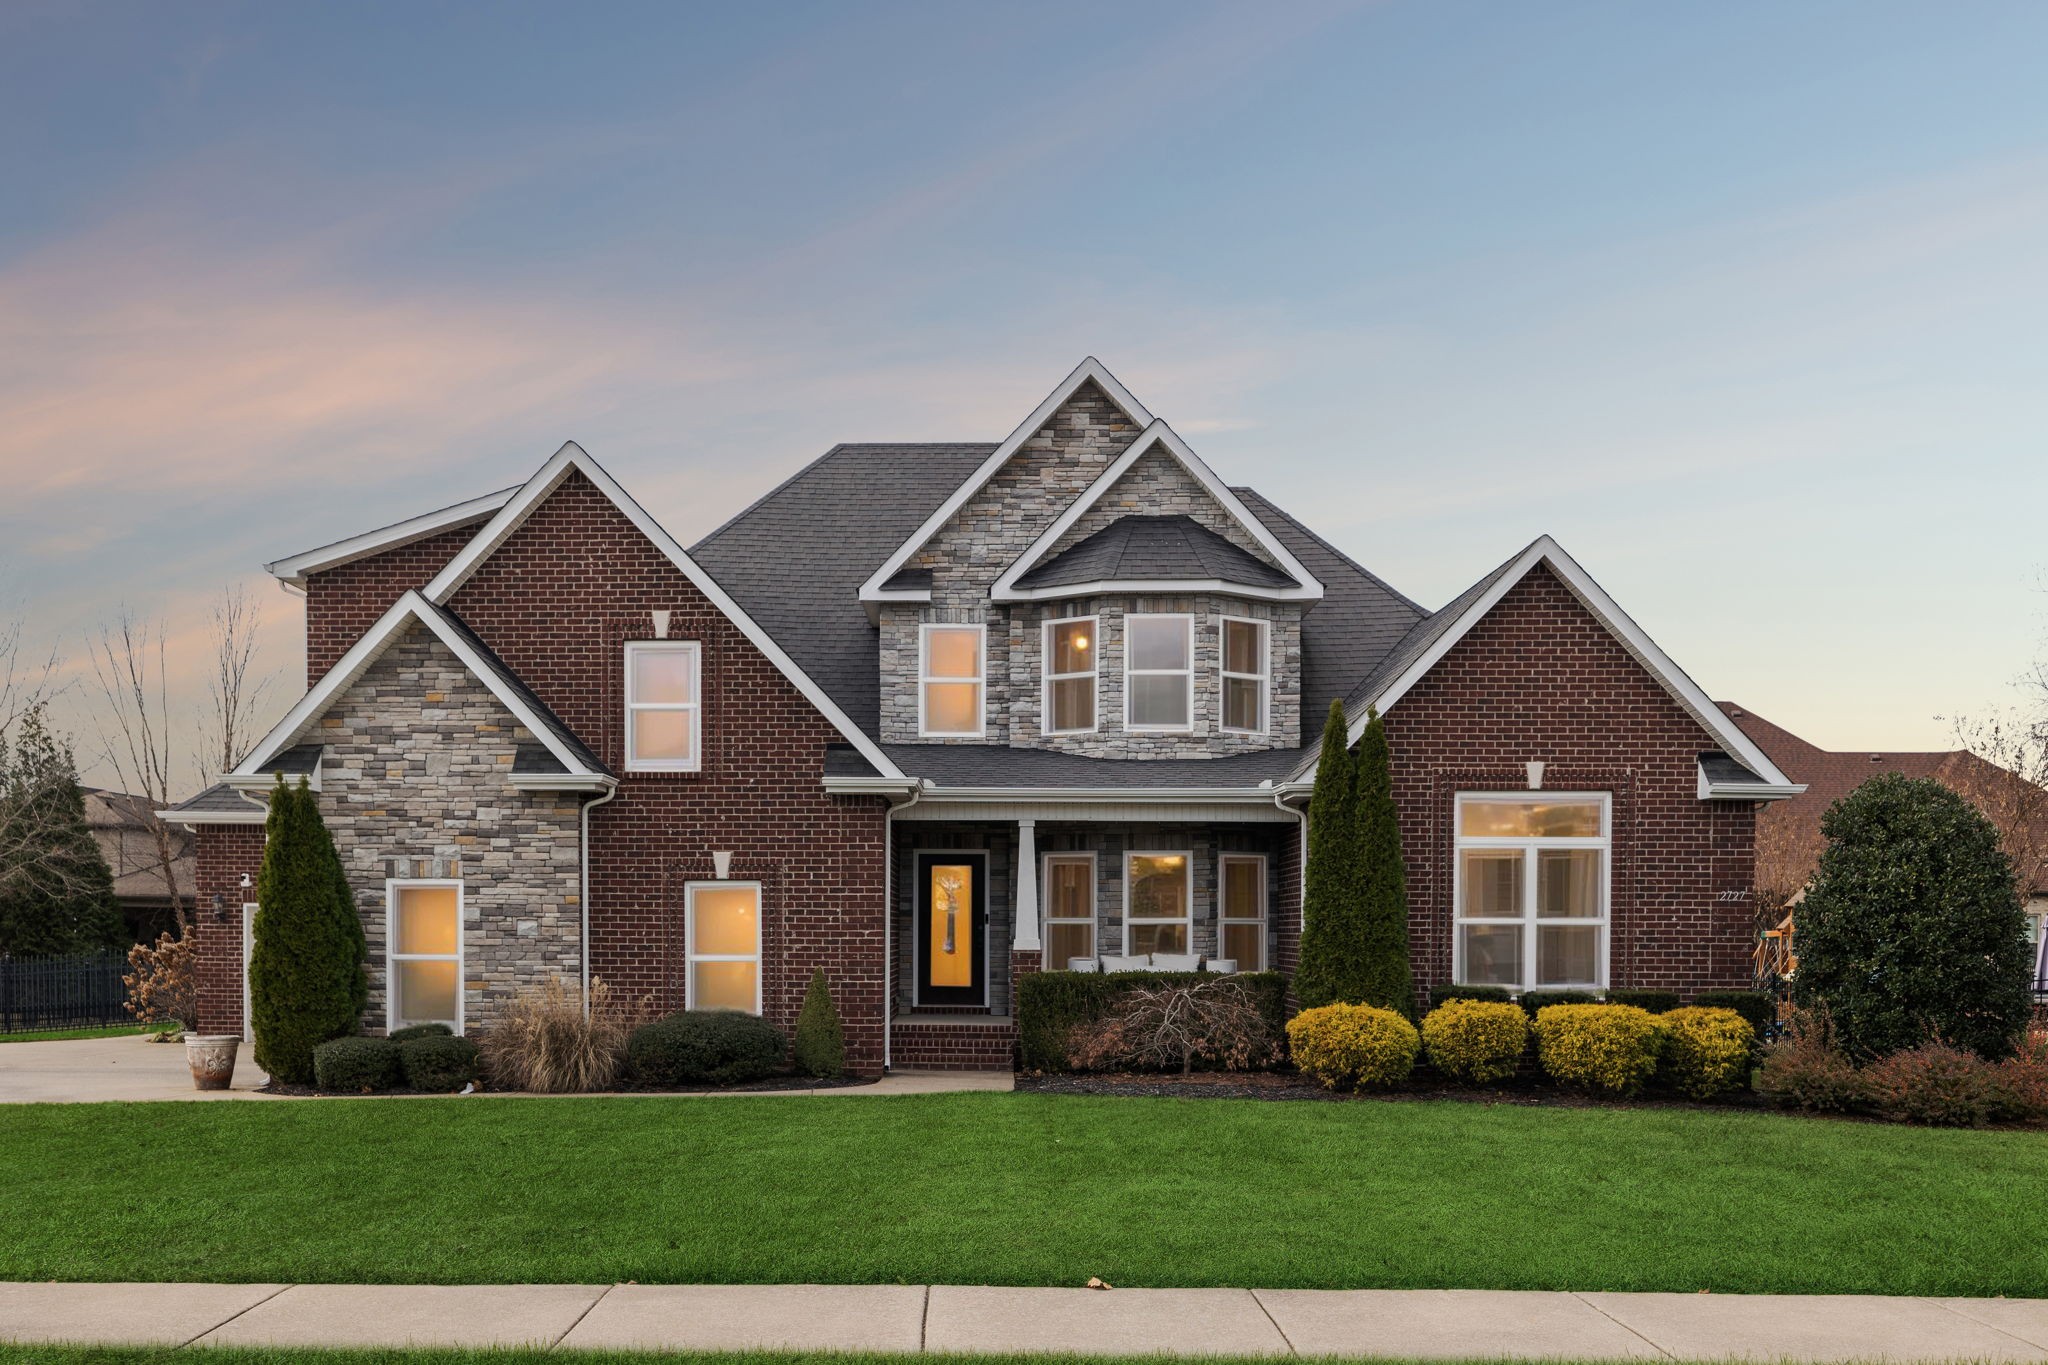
x,y
212,1058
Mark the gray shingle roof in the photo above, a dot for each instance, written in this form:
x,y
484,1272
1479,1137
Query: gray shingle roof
x,y
1174,548
219,797
1425,633
1719,767
993,765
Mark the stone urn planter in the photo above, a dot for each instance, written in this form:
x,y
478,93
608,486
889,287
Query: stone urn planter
x,y
212,1058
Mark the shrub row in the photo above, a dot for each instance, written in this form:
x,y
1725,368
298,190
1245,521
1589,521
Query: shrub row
x,y
1932,1083
1757,1007
1051,1005
428,1058
705,1047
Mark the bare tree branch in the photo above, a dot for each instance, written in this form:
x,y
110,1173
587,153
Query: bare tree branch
x,y
235,696
134,730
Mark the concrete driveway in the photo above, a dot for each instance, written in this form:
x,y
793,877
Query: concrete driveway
x,y
129,1068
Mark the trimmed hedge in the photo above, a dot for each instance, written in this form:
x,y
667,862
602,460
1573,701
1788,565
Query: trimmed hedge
x,y
406,1035
356,1066
1706,1051
1050,1005
1758,1008
1481,1041
1656,1002
1608,1049
1438,995
705,1047
437,1062
1353,1047
1532,1001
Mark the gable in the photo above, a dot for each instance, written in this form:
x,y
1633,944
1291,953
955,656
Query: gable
x,y
1156,484
346,599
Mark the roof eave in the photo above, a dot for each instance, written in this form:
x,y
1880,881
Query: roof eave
x,y
294,569
1101,587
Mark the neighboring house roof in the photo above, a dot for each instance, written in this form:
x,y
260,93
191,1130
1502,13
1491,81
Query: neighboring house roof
x,y
1154,549
124,826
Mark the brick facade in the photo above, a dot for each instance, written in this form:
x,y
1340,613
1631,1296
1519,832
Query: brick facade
x,y
224,855
345,601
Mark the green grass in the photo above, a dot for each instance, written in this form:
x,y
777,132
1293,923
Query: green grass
x,y
64,1034
1017,1189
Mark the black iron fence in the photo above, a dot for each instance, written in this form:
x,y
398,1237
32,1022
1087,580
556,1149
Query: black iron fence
x,y
38,993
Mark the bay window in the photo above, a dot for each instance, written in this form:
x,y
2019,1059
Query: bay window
x,y
1245,676
950,680
1070,672
1241,879
1158,902
1069,908
423,953
722,946
1159,673
1531,890
662,706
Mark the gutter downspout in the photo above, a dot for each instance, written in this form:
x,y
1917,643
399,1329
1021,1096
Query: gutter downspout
x,y
889,919
1300,862
583,892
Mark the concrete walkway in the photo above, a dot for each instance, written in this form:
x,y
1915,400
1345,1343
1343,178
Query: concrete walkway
x,y
83,1070
1440,1324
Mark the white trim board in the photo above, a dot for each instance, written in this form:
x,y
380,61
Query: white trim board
x,y
548,478
367,650
1088,369
293,568
1632,637
1163,437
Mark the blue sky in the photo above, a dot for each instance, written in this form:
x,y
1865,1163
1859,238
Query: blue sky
x,y
1742,302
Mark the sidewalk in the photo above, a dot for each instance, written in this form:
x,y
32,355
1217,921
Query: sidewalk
x,y
1437,1324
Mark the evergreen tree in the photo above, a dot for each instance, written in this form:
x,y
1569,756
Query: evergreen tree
x,y
820,1045
56,890
1333,966
306,970
1385,978
1913,930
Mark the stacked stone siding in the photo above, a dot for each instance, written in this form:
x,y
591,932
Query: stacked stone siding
x,y
1157,485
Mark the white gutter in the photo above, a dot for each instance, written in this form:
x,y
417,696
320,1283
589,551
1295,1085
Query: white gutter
x,y
889,920
1118,795
583,897
1282,794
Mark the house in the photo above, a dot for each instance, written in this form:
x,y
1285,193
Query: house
x,y
931,717
1789,840
125,828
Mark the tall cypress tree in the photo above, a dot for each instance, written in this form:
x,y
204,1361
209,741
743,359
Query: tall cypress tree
x,y
1386,980
56,890
306,970
1332,909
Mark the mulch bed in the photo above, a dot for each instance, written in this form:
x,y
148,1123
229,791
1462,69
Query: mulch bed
x,y
772,1084
1289,1085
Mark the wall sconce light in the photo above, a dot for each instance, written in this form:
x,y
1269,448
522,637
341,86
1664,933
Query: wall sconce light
x,y
721,865
220,908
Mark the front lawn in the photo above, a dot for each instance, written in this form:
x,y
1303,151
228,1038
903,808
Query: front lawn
x,y
1017,1189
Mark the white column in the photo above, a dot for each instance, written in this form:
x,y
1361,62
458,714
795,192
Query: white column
x,y
1026,918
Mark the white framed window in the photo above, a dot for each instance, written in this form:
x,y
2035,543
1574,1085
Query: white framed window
x,y
423,953
722,946
1246,675
1241,896
1159,674
1530,881
664,710
1071,649
950,667
1159,902
1069,883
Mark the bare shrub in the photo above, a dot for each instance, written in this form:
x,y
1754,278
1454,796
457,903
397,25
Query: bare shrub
x,y
1806,1069
163,982
1160,1027
545,1042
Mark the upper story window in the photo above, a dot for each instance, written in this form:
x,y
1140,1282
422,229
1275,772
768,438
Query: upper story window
x,y
1159,676
1531,893
949,680
1246,675
663,712
1070,672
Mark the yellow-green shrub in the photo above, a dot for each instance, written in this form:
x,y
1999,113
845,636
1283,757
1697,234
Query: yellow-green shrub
x,y
1348,1046
1476,1040
1611,1049
1706,1051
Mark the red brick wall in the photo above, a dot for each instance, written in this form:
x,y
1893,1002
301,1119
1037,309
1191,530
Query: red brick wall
x,y
557,602
224,854
343,602
1541,678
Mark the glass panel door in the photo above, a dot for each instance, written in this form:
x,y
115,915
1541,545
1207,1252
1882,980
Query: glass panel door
x,y
952,912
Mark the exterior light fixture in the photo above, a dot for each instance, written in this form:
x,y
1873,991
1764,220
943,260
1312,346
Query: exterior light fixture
x,y
219,904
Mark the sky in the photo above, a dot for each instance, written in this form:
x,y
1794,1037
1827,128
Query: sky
x,y
1744,303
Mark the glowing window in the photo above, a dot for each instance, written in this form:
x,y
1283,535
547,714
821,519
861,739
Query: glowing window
x,y
722,946
424,954
662,706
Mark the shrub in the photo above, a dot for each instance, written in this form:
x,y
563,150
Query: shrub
x,y
1051,1004
306,981
1217,1021
356,1066
1706,1051
1806,1069
438,1062
1534,1001
705,1047
2024,1077
1439,994
1656,1002
819,1048
1609,1049
1351,1046
544,1041
1939,1085
163,982
1481,1041
1912,931
1758,1008
412,1031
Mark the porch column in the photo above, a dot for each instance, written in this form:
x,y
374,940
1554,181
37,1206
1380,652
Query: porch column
x,y
1026,919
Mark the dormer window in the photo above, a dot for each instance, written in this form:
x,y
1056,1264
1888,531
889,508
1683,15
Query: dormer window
x,y
1070,674
949,681
662,711
1245,676
1159,676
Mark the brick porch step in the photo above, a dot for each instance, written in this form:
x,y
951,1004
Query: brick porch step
x,y
953,1042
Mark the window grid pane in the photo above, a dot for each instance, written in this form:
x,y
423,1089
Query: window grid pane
x,y
723,946
1532,893
1159,700
952,652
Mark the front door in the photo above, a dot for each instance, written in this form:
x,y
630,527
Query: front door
x,y
952,929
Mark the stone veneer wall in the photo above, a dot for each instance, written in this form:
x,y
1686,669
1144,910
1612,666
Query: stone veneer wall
x,y
1156,485
415,783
